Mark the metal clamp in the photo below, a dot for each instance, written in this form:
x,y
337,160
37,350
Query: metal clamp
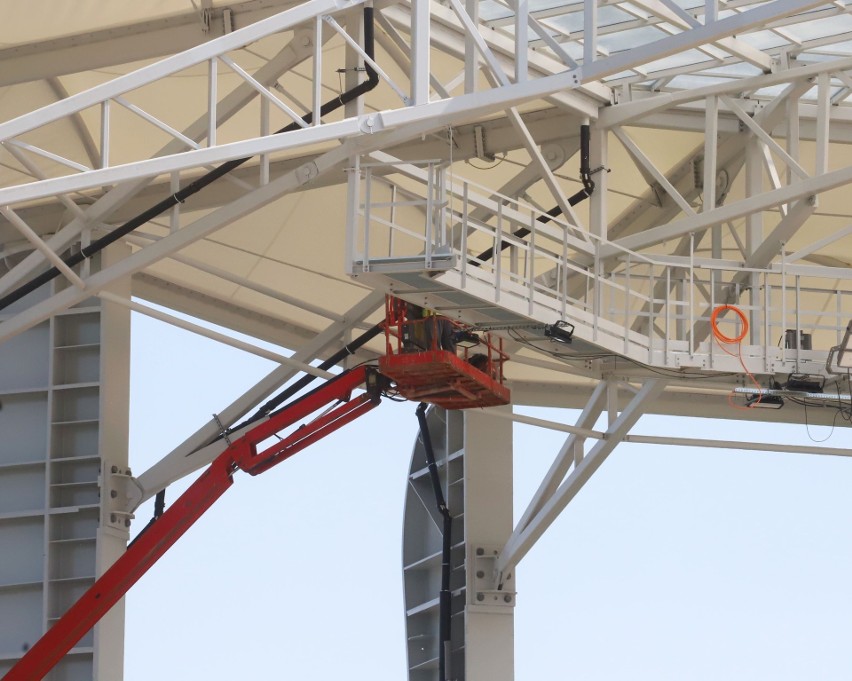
x,y
122,495
485,593
223,432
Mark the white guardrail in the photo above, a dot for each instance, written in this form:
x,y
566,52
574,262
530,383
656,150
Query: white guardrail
x,y
656,309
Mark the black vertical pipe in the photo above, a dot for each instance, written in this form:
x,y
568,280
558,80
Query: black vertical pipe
x,y
445,598
585,165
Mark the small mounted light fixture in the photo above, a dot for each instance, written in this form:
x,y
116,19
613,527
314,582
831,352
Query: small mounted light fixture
x,y
844,355
843,352
764,402
466,339
561,331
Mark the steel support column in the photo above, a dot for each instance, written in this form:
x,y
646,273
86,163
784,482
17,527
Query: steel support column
x,y
489,615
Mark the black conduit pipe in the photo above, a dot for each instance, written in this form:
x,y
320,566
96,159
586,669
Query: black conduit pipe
x,y
197,185
587,190
445,615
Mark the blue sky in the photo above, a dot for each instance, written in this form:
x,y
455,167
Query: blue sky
x,y
672,563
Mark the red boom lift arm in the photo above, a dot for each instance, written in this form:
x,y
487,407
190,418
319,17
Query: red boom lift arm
x,y
242,454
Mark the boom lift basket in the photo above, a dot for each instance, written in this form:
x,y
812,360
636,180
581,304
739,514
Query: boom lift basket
x,y
424,371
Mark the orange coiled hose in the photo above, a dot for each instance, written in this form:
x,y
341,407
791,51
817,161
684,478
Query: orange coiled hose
x,y
721,337
723,340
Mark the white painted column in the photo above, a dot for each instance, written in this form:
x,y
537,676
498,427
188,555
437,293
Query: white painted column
x,y
489,613
420,63
113,532
64,389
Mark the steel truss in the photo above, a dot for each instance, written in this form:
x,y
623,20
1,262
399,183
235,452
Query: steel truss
x,y
749,212
799,186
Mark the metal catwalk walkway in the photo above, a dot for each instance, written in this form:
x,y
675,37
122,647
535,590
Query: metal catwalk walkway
x,y
419,234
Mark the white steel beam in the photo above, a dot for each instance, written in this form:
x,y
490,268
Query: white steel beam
x,y
565,458
647,167
171,65
521,39
37,172
244,282
810,187
711,142
667,440
420,45
77,122
174,241
36,241
488,617
765,252
520,544
479,42
757,17
819,244
590,32
440,113
823,114
197,451
674,15
121,44
471,56
257,87
297,50
547,175
764,136
430,116
215,335
547,126
396,48
622,114
538,161
451,38
774,448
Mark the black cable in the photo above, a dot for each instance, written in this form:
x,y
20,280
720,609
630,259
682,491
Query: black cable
x,y
347,350
445,616
611,355
197,185
521,232
587,190
159,509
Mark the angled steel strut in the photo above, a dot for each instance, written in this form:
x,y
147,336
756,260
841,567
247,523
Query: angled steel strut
x,y
242,454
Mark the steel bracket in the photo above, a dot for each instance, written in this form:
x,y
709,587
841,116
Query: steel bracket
x,y
486,593
122,493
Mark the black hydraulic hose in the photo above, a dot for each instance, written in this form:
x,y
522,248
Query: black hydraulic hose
x,y
289,391
445,615
587,190
160,503
159,509
197,185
